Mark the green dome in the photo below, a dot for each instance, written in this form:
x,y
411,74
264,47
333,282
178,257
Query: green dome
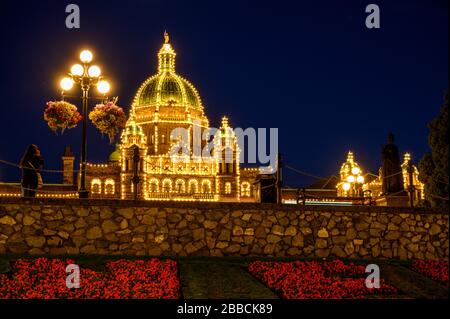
x,y
133,129
115,156
167,87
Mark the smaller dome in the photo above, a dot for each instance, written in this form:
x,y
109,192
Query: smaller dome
x,y
350,167
115,156
133,133
132,128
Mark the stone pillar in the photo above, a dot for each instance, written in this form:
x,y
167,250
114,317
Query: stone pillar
x,y
68,161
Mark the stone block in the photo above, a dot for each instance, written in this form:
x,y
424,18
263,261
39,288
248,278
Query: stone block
x,y
125,212
322,233
94,233
7,220
35,241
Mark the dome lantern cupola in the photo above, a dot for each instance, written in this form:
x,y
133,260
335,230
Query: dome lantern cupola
x,y
166,56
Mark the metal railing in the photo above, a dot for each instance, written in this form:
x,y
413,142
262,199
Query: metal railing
x,y
364,200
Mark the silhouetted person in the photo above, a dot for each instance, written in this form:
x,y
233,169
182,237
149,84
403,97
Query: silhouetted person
x,y
391,169
30,163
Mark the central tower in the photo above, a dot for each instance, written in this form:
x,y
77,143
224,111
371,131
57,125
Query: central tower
x,y
166,101
167,115
160,155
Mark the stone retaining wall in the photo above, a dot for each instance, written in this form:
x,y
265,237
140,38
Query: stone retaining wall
x,y
115,227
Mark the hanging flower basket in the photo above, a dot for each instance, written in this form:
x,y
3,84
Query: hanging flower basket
x,y
108,118
61,115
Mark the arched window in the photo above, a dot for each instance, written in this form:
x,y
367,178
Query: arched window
x,y
96,186
193,186
167,185
154,185
206,186
109,186
180,186
245,189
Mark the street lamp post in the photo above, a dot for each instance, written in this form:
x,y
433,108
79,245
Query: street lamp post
x,y
354,181
86,75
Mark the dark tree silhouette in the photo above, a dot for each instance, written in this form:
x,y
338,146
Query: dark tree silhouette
x,y
433,167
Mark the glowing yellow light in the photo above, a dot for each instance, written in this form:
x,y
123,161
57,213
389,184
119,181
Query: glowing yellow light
x,y
94,71
77,69
103,87
355,170
351,179
66,84
346,186
227,188
360,179
164,179
86,56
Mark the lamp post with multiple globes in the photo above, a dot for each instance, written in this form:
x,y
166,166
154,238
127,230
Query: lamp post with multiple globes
x,y
354,181
87,76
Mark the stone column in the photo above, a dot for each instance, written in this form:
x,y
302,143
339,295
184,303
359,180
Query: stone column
x,y
68,161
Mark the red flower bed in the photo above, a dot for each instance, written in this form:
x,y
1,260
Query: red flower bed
x,y
316,280
433,269
46,279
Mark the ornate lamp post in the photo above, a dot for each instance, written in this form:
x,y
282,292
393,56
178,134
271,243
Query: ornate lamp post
x,y
87,76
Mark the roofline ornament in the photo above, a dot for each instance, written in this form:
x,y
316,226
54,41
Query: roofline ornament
x,y
166,37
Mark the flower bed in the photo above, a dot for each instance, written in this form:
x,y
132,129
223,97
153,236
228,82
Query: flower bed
x,y
316,280
45,278
433,269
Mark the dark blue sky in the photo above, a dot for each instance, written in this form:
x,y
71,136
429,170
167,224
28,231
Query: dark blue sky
x,y
312,69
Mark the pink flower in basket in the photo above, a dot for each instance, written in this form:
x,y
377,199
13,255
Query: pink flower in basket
x,y
61,115
108,118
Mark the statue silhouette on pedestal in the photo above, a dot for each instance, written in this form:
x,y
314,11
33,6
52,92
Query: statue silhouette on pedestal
x,y
391,171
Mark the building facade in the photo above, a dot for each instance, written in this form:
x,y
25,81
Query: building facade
x,y
161,154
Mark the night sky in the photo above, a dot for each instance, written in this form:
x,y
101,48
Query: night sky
x,y
311,69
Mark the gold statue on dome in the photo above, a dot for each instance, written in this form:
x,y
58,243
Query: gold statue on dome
x,y
166,37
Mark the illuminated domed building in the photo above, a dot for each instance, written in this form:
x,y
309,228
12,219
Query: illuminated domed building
x,y
164,131
375,185
351,178
353,182
160,157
